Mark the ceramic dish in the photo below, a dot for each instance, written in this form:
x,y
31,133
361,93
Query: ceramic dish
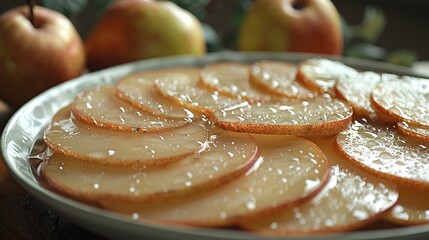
x,y
29,122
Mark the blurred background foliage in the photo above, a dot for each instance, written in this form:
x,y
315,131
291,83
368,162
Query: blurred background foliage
x,y
222,18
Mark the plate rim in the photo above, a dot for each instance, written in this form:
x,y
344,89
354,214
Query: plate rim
x,y
90,215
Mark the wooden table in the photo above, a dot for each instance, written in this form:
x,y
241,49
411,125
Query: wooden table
x,y
24,217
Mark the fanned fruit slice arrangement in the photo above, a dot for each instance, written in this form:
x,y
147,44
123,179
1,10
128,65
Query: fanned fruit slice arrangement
x,y
272,147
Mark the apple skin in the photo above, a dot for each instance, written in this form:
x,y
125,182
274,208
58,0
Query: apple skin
x,y
311,26
33,59
139,29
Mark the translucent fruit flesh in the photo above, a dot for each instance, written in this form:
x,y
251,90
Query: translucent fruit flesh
x,y
137,90
101,108
184,90
116,148
287,172
303,118
225,157
351,199
278,78
384,153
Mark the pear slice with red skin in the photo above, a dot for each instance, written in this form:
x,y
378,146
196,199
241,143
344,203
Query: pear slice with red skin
x,y
232,79
315,117
320,74
289,170
351,199
412,207
417,132
381,151
116,148
356,89
101,108
183,89
225,157
137,89
403,99
278,78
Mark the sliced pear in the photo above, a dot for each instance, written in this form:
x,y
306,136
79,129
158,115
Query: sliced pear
x,y
356,89
225,157
101,108
350,200
287,172
417,132
303,118
232,79
412,207
382,152
110,147
404,99
137,89
321,74
183,89
278,78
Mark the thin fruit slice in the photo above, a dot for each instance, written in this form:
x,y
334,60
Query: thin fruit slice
x,y
101,108
137,89
357,89
183,89
226,157
232,79
115,148
288,171
321,74
350,200
313,117
278,78
412,207
384,153
417,132
404,99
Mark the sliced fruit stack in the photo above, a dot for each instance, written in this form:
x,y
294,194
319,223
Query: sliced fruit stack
x,y
272,147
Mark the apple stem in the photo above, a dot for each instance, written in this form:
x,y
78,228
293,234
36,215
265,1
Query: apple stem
x,y
31,4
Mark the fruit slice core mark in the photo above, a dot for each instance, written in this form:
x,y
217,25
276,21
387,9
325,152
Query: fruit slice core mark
x,y
312,117
287,172
381,151
101,108
225,157
110,147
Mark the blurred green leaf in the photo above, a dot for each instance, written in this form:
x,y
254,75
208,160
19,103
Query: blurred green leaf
x,y
367,51
402,57
372,25
69,8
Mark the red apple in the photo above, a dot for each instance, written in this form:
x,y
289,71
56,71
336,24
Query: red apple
x,y
36,57
139,29
292,25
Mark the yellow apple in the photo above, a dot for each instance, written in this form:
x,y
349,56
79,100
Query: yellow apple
x,y
292,25
140,29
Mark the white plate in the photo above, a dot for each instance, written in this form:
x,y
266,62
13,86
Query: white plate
x,y
28,123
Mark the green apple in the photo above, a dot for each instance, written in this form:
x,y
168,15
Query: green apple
x,y
36,57
140,29
292,25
